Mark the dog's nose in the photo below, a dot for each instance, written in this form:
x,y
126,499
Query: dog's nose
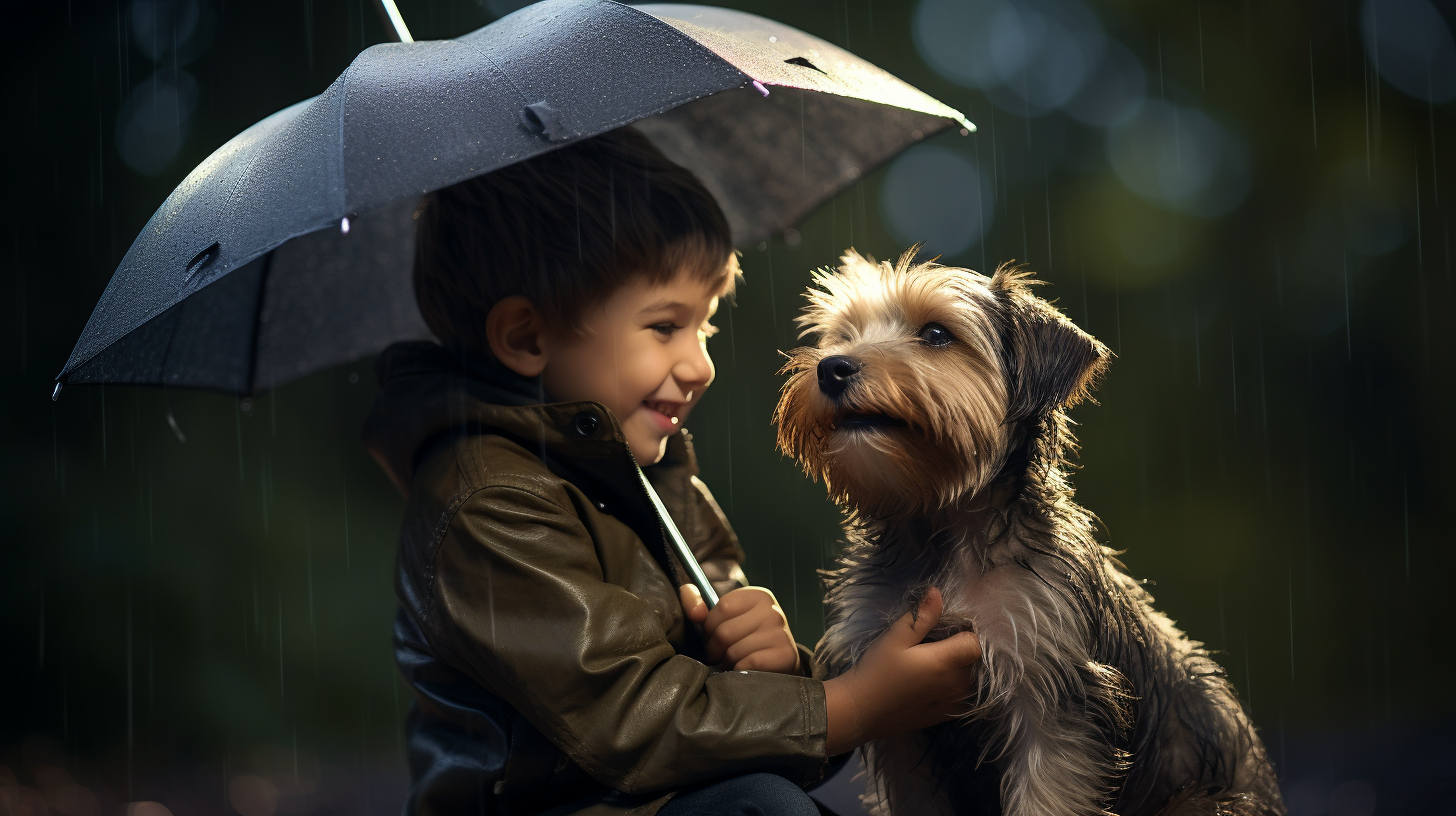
x,y
835,374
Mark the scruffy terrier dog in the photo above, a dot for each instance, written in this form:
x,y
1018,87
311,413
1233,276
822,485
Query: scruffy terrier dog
x,y
934,407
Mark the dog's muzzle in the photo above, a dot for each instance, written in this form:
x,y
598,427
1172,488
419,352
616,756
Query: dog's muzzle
x,y
836,373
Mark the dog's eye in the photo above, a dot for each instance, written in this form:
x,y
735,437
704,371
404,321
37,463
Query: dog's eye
x,y
935,334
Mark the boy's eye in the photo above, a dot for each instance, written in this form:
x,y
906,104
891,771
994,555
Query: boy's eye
x,y
666,329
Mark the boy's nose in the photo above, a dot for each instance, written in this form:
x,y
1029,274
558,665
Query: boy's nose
x,y
694,370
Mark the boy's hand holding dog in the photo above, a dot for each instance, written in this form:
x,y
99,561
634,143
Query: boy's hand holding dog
x,y
746,631
901,684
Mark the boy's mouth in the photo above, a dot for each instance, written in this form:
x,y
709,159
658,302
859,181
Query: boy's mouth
x,y
670,412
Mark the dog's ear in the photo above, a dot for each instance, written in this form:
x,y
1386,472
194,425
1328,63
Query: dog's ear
x,y
1051,362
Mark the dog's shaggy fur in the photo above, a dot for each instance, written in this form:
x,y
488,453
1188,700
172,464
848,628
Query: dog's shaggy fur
x,y
933,406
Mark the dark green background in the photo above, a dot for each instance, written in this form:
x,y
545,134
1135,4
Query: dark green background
x,y
1284,484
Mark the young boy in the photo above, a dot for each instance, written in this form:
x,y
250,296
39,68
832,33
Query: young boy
x,y
557,666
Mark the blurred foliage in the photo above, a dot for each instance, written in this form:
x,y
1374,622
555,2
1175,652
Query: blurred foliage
x,y
188,575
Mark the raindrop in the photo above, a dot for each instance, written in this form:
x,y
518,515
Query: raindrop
x,y
176,430
1313,112
1405,517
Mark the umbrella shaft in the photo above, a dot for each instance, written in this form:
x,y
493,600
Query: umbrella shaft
x,y
680,546
393,21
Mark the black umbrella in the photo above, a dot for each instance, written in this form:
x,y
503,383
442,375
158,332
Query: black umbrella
x,y
289,250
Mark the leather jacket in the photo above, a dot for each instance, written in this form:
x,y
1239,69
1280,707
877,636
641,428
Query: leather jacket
x,y
539,623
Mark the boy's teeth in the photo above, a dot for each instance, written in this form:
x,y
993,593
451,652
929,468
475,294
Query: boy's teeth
x,y
664,408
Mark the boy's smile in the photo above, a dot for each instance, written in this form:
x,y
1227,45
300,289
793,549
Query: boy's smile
x,y
643,354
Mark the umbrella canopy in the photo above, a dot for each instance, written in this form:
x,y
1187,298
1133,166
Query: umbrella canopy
x,y
290,249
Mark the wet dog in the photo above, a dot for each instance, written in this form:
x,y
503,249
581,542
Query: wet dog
x,y
934,408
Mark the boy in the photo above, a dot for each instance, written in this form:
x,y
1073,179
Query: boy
x,y
557,667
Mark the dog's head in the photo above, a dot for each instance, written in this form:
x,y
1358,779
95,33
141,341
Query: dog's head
x,y
924,378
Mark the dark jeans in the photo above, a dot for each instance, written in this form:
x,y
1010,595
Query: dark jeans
x,y
757,794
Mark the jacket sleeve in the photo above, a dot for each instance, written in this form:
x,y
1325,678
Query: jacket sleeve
x,y
521,606
715,544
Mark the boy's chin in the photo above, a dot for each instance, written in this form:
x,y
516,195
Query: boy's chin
x,y
647,450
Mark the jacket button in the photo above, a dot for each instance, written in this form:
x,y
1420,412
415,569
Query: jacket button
x,y
586,424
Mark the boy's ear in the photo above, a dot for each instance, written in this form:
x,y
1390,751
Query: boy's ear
x,y
514,329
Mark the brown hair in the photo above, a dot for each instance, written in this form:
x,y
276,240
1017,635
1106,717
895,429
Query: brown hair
x,y
563,230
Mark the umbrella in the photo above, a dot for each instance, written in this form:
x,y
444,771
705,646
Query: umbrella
x,y
289,249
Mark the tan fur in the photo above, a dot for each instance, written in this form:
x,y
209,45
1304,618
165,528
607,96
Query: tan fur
x,y
1087,700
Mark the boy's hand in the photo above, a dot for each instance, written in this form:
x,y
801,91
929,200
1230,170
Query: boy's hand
x,y
901,684
746,631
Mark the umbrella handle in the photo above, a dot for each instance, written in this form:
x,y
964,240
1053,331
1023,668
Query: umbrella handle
x,y
393,22
680,546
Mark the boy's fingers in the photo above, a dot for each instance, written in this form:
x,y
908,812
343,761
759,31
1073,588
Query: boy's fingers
x,y
732,630
768,660
755,642
692,603
912,627
741,600
962,650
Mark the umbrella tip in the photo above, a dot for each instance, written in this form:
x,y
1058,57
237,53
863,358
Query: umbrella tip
x,y
967,126
759,87
56,392
344,225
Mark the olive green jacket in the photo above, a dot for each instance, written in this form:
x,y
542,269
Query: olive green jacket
x,y
539,618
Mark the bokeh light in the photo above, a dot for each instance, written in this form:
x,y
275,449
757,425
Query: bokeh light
x,y
1181,158
935,195
1029,57
1410,44
155,119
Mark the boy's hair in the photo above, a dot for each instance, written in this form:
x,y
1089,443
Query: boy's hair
x,y
564,230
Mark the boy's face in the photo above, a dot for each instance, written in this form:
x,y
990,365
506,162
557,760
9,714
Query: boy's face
x,y
643,354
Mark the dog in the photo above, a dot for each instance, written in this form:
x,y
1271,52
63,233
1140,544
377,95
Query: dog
x,y
934,407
